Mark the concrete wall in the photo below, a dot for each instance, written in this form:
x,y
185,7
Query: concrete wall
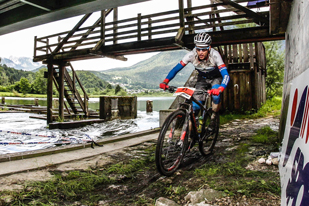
x,y
297,42
293,130
114,107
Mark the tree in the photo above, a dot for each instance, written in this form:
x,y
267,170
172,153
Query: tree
x,y
25,86
39,85
4,80
109,86
275,68
117,89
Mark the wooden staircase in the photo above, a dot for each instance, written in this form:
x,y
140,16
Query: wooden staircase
x,y
77,102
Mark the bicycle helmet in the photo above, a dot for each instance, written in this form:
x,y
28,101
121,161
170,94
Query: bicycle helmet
x,y
202,39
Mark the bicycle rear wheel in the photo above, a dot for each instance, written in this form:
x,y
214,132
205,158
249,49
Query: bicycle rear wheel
x,y
172,143
209,137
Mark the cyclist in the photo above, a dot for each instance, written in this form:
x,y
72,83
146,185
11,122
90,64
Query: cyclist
x,y
211,69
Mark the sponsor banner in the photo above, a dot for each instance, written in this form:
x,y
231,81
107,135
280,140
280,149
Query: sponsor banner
x,y
294,154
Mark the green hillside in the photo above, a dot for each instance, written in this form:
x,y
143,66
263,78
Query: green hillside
x,y
148,73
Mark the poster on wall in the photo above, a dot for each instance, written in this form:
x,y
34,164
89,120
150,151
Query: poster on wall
x,y
294,154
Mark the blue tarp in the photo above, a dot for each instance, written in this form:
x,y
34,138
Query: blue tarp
x,y
254,3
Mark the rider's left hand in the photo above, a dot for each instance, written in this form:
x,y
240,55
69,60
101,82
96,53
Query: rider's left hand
x,y
216,92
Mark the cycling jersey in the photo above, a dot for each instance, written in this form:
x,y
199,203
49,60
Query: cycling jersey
x,y
212,67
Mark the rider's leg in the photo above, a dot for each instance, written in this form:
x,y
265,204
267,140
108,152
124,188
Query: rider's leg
x,y
215,107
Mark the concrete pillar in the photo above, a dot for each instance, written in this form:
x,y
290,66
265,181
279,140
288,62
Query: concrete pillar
x,y
149,106
105,108
163,114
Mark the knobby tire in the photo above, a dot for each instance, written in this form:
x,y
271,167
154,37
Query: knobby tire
x,y
169,151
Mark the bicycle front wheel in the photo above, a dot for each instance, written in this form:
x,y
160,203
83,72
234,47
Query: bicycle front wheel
x,y
210,135
172,143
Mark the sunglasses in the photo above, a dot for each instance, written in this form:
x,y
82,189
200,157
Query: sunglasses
x,y
202,49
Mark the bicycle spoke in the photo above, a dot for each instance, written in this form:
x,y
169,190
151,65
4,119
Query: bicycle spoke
x,y
169,153
209,138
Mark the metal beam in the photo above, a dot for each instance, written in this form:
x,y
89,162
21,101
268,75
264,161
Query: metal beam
x,y
35,5
20,15
257,18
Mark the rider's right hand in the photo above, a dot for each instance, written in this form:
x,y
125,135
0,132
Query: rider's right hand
x,y
164,85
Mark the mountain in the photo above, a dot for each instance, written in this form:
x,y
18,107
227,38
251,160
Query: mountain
x,y
150,72
20,63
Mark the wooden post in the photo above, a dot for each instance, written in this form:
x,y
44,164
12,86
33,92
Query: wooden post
x,y
190,18
115,24
149,28
149,106
61,90
3,100
50,93
139,27
181,13
103,13
36,102
35,45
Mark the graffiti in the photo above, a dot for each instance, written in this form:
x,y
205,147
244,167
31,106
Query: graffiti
x,y
297,183
295,129
297,187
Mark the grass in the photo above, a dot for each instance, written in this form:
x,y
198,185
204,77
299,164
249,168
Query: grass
x,y
16,94
266,135
237,179
271,107
80,186
87,187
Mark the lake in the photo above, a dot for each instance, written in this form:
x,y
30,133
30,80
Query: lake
x,y
39,137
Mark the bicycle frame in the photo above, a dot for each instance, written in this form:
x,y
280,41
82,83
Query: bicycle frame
x,y
187,105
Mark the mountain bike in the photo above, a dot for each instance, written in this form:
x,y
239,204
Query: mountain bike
x,y
180,131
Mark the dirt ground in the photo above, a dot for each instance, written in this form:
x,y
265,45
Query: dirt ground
x,y
143,188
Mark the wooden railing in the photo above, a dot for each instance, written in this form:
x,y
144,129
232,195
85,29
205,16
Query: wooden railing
x,y
72,82
143,27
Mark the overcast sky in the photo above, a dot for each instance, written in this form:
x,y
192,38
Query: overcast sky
x,y
21,43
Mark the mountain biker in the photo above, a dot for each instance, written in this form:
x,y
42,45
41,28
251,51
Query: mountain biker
x,y
211,69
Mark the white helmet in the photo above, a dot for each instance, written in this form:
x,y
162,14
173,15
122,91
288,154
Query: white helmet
x,y
202,39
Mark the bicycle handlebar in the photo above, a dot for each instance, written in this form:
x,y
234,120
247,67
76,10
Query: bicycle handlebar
x,y
172,89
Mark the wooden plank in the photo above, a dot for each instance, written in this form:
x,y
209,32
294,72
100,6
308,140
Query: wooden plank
x,y
225,55
240,53
257,18
115,29
246,57
235,54
149,28
248,92
236,92
181,13
50,93
65,39
242,91
256,55
251,56
139,27
230,88
230,54
61,90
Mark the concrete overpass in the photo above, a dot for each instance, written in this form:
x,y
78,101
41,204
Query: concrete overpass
x,y
16,15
